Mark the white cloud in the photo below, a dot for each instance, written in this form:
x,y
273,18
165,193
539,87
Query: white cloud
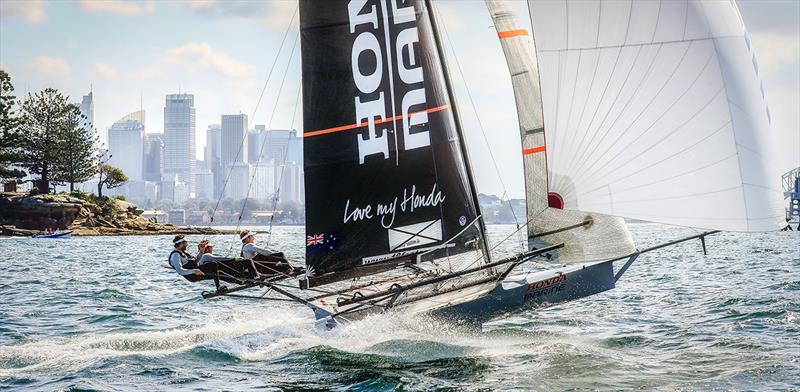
x,y
106,71
783,104
116,6
199,55
51,67
776,50
31,11
271,14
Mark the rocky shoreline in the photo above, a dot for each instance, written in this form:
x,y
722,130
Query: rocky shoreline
x,y
25,215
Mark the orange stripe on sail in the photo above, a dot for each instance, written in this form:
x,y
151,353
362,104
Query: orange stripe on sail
x,y
511,33
533,150
365,123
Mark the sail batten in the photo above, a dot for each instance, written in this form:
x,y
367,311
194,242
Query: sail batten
x,y
681,131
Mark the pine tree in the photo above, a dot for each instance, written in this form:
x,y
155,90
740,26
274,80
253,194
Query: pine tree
x,y
41,134
110,177
10,152
78,160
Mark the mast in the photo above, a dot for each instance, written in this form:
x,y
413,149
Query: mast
x,y
457,120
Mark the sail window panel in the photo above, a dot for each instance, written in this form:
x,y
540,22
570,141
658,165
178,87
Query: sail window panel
x,y
550,27
671,26
583,19
643,20
613,22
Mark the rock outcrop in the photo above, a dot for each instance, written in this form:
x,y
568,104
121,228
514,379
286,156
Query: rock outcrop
x,y
21,214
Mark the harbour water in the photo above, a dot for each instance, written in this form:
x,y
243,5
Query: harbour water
x,y
105,313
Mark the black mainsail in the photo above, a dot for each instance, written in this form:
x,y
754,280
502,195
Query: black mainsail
x,y
385,171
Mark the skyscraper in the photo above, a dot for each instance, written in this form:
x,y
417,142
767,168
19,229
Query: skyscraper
x,y
212,155
211,152
126,144
234,139
153,156
179,138
256,139
87,110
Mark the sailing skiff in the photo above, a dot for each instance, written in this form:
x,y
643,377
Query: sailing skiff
x,y
646,110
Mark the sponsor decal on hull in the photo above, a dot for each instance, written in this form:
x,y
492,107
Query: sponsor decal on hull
x,y
546,286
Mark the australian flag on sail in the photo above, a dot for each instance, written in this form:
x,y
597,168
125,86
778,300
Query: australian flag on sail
x,y
324,242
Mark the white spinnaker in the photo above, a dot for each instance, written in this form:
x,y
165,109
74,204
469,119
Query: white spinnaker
x,y
606,237
654,110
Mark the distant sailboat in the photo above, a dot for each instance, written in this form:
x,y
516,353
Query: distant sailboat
x,y
646,110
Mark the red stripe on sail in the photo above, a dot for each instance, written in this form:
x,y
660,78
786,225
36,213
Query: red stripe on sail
x,y
364,123
511,33
533,150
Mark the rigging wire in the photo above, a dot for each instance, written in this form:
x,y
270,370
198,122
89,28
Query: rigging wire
x,y
255,109
480,124
269,126
276,197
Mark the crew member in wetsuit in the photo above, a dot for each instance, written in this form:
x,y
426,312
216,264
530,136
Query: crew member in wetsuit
x,y
266,261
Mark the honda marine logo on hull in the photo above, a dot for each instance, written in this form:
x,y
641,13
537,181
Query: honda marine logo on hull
x,y
396,62
547,286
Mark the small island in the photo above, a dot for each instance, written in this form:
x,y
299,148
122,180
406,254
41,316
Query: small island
x,y
22,214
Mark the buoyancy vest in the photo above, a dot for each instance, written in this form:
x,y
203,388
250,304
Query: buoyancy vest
x,y
190,264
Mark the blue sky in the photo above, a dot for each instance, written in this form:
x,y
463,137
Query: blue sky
x,y
132,53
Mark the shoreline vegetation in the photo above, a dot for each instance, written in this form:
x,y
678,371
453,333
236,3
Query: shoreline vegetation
x,y
23,214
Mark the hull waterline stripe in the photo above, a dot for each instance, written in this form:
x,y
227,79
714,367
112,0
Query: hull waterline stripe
x,y
511,33
365,123
533,150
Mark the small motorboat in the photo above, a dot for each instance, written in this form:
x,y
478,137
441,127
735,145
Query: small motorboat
x,y
58,234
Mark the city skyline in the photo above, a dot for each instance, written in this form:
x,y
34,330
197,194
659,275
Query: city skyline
x,y
226,72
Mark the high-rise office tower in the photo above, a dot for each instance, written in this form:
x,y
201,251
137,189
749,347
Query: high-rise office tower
x,y
234,139
277,144
211,152
179,138
153,156
263,178
87,111
291,182
126,144
256,143
239,174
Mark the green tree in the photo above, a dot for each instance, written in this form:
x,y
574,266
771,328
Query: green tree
x,y
10,143
41,134
78,160
109,177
